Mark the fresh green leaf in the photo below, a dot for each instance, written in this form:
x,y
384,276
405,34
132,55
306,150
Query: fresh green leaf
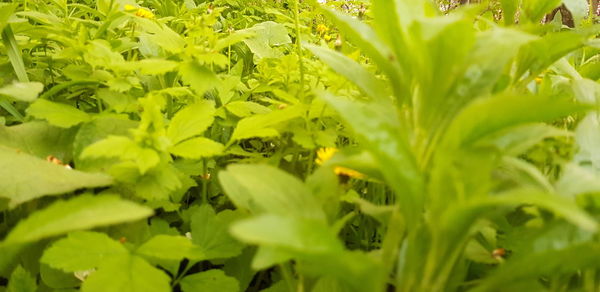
x,y
211,280
81,212
191,121
57,114
82,250
24,177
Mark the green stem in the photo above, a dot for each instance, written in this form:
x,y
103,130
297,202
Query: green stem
x,y
286,273
299,49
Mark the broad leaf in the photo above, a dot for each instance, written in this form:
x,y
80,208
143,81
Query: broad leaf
x,y
168,247
82,250
262,188
57,114
211,280
24,177
81,212
127,273
210,234
191,121
198,77
22,91
21,281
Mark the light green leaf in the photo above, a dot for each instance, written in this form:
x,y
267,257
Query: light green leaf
x,y
353,71
265,125
39,139
127,273
534,10
6,11
210,233
262,188
293,234
198,77
246,108
509,8
24,177
82,250
125,149
552,262
267,35
211,280
579,9
191,121
21,281
23,91
154,66
168,247
378,126
198,148
489,115
81,212
57,114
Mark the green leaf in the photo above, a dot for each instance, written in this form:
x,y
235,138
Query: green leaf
x,y
82,250
378,126
57,114
211,280
24,177
6,11
191,121
81,212
210,233
198,148
57,279
534,10
22,91
125,149
267,35
265,125
353,71
168,247
538,55
198,77
552,262
262,188
365,38
127,273
489,115
294,234
509,8
557,204
154,66
39,139
578,8
21,281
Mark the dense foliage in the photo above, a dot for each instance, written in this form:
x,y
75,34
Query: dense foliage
x,y
287,145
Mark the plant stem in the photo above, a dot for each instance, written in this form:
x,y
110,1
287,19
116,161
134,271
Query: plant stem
x,y
299,49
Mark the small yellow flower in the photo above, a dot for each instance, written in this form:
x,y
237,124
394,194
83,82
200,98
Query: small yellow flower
x,y
322,29
129,8
139,11
327,37
539,80
325,154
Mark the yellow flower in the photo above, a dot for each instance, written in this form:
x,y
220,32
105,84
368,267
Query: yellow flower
x,y
322,29
327,37
325,154
140,12
539,80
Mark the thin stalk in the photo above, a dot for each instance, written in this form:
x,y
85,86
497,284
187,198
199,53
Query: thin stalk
x,y
205,182
288,277
299,49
